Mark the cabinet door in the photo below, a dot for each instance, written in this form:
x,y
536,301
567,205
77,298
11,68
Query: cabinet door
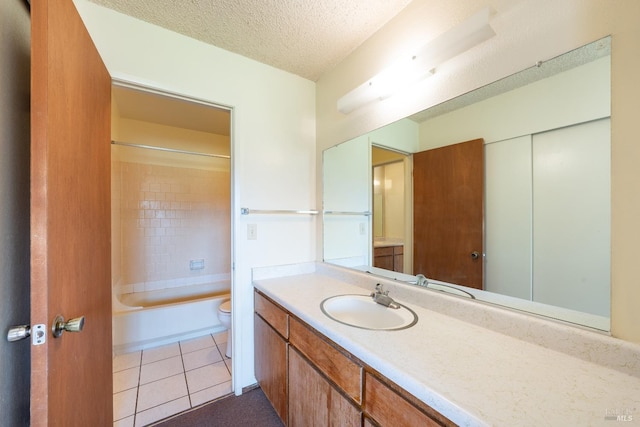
x,y
389,408
313,401
398,263
271,365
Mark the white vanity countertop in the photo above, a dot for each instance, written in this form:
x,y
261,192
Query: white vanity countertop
x,y
383,243
472,374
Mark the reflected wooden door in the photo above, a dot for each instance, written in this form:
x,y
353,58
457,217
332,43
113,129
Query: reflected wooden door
x,y
71,379
448,185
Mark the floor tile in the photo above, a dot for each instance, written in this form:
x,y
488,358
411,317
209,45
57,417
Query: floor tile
x,y
211,393
125,422
207,376
220,338
126,379
161,391
124,404
154,383
162,411
196,344
199,358
159,353
126,361
161,369
222,348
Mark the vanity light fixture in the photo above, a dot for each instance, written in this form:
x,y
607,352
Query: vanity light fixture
x,y
404,73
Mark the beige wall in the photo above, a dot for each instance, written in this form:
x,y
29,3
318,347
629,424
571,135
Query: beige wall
x,y
394,194
527,31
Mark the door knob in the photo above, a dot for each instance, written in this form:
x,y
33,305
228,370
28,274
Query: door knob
x,y
37,333
17,333
475,255
73,325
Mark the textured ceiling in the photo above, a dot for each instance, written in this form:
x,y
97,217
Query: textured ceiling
x,y
304,37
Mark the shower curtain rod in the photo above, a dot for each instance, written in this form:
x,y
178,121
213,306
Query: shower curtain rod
x,y
170,150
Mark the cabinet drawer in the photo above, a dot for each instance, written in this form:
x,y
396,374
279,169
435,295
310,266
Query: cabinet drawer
x,y
274,315
384,251
389,408
340,369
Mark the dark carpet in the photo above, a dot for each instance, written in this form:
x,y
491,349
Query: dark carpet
x,y
251,409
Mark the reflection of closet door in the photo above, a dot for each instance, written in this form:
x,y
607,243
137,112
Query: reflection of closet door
x,y
448,213
571,217
508,210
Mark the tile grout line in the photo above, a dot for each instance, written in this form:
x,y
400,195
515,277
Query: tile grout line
x,y
161,359
160,404
135,407
184,373
223,355
185,368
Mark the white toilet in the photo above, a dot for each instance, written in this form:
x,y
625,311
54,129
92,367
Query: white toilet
x,y
224,314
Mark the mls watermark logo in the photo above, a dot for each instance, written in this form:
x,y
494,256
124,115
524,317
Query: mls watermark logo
x,y
619,414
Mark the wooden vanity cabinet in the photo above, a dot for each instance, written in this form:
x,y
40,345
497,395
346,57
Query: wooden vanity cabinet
x,y
389,405
272,314
314,401
311,381
389,258
324,383
271,329
335,365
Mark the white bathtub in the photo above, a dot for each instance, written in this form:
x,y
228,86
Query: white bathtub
x,y
152,318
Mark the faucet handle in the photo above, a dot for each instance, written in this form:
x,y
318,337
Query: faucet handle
x,y
380,289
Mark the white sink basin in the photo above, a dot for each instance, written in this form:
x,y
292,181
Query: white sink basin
x,y
362,312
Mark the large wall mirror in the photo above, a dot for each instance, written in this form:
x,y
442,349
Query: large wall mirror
x,y
501,194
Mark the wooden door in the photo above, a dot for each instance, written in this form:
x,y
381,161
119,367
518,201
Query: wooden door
x,y
71,378
448,185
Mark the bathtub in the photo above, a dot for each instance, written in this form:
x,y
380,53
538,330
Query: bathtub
x,y
152,318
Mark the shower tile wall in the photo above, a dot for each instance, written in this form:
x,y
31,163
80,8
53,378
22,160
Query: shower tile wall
x,y
170,216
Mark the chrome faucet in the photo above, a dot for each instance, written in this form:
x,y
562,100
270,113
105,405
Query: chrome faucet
x,y
421,280
382,297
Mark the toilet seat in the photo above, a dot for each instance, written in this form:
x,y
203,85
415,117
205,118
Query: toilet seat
x,y
225,307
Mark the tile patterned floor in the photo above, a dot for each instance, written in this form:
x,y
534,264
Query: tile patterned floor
x,y
153,384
